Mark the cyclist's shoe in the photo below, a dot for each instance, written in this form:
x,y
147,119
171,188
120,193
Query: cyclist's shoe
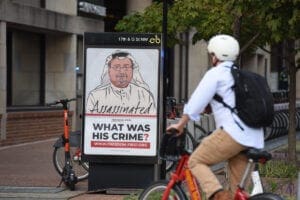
x,y
222,195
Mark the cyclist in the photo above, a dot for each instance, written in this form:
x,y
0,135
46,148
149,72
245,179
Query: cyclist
x,y
229,139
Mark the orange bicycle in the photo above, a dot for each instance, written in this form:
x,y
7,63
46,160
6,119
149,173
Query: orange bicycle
x,y
80,167
182,185
68,175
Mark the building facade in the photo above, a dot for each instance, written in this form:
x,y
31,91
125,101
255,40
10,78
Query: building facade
x,y
40,53
41,60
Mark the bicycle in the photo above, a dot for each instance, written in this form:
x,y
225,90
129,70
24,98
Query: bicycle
x,y
80,167
68,175
182,178
173,112
191,142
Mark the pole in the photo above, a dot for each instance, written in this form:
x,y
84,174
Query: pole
x,y
164,43
164,71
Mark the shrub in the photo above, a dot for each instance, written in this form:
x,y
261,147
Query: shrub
x,y
278,169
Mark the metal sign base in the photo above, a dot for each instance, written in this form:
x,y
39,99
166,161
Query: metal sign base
x,y
120,178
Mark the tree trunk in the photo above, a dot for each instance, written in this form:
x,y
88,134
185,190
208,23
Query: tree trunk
x,y
290,63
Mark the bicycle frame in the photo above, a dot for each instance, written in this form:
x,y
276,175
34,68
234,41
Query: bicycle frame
x,y
182,173
257,186
74,140
183,185
66,131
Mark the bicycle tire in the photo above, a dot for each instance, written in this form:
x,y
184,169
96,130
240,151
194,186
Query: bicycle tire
x,y
80,168
266,196
155,191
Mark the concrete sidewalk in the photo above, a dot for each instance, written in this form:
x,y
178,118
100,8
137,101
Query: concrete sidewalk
x,y
27,172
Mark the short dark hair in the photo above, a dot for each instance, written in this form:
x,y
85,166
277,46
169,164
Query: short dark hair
x,y
120,54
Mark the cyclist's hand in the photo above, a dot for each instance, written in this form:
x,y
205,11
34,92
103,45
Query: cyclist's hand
x,y
179,126
174,127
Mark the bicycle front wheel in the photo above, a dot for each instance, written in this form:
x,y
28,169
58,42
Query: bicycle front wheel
x,y
155,191
80,168
266,196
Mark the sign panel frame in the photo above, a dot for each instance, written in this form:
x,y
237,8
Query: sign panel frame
x,y
122,97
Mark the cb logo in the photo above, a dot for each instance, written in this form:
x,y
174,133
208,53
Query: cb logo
x,y
155,40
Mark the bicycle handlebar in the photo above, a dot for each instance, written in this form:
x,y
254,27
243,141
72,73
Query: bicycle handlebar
x,y
172,131
64,102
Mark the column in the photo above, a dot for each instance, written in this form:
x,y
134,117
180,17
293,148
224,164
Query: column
x,y
3,70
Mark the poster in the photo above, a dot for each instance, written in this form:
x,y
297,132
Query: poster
x,y
121,100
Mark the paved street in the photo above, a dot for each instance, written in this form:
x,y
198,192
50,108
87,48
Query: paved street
x,y
27,172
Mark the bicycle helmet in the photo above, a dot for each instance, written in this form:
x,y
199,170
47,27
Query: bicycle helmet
x,y
172,146
224,47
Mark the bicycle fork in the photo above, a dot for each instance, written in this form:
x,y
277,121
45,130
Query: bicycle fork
x,y
68,175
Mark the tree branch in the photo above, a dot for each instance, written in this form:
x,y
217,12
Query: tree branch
x,y
249,42
266,50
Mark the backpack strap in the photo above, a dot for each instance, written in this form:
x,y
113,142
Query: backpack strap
x,y
219,99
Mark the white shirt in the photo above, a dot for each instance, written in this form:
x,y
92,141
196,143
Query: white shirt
x,y
218,80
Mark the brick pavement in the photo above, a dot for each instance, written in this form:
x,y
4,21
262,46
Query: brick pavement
x,y
27,172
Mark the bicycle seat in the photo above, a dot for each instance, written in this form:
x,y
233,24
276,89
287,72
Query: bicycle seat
x,y
258,155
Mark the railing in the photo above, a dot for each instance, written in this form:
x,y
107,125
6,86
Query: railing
x,y
278,128
280,124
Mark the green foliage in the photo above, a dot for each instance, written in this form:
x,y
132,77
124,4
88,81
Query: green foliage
x,y
148,21
278,169
274,20
273,186
131,197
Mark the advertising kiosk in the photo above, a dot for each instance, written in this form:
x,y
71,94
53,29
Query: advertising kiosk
x,y
121,111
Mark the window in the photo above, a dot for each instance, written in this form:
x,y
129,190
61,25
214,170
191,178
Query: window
x,y
26,68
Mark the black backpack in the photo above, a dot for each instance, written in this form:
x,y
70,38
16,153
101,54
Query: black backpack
x,y
254,100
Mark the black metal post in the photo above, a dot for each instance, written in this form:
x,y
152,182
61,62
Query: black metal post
x,y
165,77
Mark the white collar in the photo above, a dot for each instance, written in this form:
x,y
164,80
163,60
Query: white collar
x,y
120,91
225,64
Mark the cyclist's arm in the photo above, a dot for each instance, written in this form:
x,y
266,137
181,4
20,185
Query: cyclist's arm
x,y
202,96
180,124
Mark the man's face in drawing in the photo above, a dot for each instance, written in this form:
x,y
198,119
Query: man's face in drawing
x,y
120,71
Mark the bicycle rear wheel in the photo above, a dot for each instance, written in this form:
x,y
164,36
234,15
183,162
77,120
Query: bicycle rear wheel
x,y
266,196
80,168
155,191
